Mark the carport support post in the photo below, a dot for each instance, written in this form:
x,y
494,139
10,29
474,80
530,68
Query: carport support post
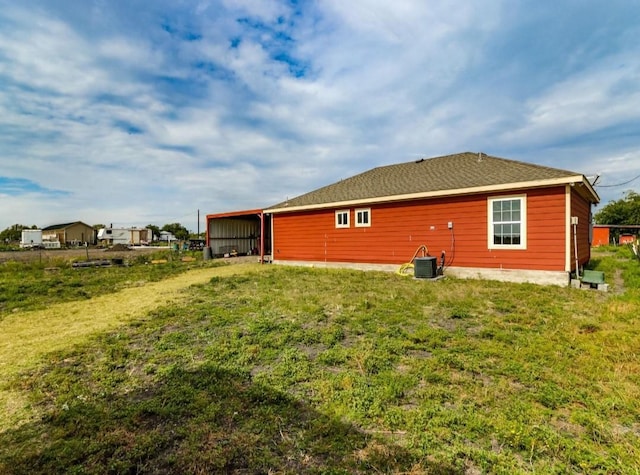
x,y
262,238
206,231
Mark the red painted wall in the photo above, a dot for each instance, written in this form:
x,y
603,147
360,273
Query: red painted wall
x,y
582,209
398,229
600,236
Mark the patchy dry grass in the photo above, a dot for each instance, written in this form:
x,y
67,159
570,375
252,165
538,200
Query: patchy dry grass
x,y
32,285
293,370
26,336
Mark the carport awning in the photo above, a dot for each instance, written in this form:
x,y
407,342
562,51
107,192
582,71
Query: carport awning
x,y
234,214
238,230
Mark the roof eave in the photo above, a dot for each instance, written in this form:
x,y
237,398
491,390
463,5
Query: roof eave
x,y
233,214
576,179
593,195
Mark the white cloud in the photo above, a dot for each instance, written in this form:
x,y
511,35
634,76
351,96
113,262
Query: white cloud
x,y
144,114
50,56
605,95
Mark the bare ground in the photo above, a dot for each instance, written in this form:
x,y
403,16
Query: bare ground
x,y
70,254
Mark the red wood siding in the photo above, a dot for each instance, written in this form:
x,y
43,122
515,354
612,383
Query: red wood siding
x,y
398,229
582,209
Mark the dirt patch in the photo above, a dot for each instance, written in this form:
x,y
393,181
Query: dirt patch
x,y
70,254
94,253
618,282
119,248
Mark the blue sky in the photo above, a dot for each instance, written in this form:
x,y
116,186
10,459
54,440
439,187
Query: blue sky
x,y
142,112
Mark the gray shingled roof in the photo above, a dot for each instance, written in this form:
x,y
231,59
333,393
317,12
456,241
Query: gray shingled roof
x,y
54,227
447,173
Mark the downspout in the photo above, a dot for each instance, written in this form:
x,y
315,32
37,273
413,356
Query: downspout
x,y
574,221
567,231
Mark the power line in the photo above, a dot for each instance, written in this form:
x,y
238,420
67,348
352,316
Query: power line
x,y
619,184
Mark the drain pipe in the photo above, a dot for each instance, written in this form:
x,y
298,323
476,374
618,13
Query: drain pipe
x,y
574,221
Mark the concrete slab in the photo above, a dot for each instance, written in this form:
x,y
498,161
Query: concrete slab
x,y
559,278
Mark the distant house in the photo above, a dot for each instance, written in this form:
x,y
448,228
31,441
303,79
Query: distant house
x,y
492,217
75,233
166,236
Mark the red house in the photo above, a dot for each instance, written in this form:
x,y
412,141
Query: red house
x,y
493,218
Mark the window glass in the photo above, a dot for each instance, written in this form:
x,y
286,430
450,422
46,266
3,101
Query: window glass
x,y
363,217
342,219
507,223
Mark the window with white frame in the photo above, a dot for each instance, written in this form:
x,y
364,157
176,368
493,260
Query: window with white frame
x,y
342,218
508,222
363,217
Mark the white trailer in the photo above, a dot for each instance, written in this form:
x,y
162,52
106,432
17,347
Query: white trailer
x,y
126,236
31,238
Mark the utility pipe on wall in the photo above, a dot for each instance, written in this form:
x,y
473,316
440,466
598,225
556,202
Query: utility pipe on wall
x,y
574,221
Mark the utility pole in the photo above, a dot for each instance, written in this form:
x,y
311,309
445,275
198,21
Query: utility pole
x,y
198,224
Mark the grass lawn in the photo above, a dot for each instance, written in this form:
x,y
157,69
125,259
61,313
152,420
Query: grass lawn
x,y
29,285
296,370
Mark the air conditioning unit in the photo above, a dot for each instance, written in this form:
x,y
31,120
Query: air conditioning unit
x,y
425,267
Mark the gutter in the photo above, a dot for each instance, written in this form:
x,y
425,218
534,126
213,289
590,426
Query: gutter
x,y
572,180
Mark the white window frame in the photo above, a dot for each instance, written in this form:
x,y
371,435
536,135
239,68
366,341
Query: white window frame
x,y
368,215
343,212
522,221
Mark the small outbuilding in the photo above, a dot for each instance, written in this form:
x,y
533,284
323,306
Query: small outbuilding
x,y
627,238
605,234
601,235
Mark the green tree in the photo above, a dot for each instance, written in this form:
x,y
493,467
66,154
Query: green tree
x,y
14,232
155,230
623,211
177,229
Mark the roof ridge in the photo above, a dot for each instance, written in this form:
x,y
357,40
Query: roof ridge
x,y
445,173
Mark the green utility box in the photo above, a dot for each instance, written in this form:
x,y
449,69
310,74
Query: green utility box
x,y
593,277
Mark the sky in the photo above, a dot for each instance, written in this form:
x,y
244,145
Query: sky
x,y
136,112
